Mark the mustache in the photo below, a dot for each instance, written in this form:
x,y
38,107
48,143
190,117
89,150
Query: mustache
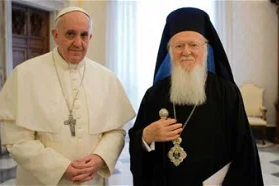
x,y
186,59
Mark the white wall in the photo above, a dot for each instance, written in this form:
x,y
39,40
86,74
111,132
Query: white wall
x,y
98,11
254,48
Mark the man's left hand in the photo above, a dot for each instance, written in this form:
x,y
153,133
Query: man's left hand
x,y
89,165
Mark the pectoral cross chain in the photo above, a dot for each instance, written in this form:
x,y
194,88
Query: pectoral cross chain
x,y
71,122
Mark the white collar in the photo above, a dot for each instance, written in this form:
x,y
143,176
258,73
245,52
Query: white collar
x,y
64,64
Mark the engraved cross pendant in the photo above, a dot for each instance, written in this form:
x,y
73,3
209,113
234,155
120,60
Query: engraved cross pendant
x,y
71,122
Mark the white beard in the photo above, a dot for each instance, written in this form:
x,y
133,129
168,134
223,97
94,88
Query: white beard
x,y
188,88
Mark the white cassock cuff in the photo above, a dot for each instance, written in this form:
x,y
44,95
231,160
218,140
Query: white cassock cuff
x,y
147,147
109,149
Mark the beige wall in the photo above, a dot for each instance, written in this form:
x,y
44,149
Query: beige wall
x,y
98,12
254,51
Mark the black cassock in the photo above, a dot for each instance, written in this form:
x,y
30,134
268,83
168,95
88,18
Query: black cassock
x,y
217,133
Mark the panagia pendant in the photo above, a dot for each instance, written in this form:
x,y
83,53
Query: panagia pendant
x,y
177,153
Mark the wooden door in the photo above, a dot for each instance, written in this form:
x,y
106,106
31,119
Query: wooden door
x,y
30,32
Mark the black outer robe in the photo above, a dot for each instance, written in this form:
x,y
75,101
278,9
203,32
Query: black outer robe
x,y
217,133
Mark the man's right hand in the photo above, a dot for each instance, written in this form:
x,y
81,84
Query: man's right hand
x,y
72,172
162,130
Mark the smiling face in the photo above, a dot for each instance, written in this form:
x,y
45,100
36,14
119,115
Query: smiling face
x,y
72,36
188,54
187,49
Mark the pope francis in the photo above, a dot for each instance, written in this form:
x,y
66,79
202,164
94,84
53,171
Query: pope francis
x,y
62,113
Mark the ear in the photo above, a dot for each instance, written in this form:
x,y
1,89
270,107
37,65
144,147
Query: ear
x,y
54,35
90,36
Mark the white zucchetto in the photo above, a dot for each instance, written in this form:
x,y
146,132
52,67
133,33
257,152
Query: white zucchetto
x,y
70,9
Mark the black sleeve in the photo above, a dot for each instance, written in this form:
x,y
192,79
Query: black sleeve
x,y
141,161
245,168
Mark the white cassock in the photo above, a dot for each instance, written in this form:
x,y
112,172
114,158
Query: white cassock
x,y
33,109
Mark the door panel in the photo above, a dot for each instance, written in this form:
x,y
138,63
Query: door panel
x,y
30,29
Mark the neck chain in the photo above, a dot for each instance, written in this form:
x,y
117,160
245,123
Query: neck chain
x,y
71,121
189,117
177,154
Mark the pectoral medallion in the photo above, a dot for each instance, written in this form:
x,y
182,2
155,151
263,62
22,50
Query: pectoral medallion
x,y
177,153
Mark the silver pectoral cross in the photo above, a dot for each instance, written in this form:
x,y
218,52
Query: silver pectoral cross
x,y
71,122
